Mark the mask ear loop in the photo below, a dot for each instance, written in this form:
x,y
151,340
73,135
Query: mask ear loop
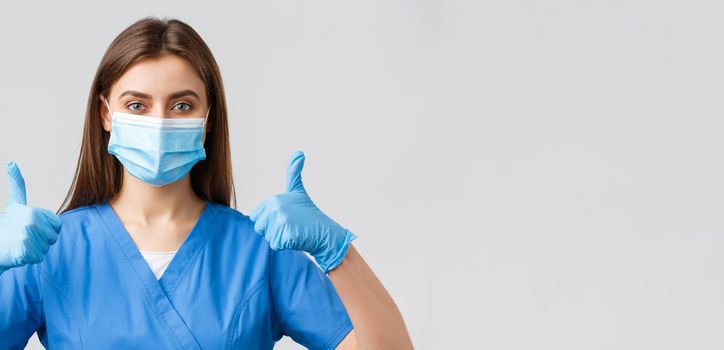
x,y
206,117
109,106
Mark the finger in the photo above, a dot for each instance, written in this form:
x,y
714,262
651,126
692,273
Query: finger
x,y
260,225
273,235
51,218
294,173
254,216
276,241
41,240
264,224
49,233
17,184
32,247
261,218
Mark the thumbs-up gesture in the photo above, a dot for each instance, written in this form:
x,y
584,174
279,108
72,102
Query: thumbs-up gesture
x,y
26,233
290,220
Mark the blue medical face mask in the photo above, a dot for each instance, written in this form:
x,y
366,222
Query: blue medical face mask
x,y
157,150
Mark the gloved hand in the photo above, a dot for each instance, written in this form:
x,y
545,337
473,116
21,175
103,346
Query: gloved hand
x,y
26,233
290,220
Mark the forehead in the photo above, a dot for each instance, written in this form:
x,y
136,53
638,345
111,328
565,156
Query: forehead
x,y
159,77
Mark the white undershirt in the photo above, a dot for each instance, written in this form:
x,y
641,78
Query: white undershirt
x,y
158,261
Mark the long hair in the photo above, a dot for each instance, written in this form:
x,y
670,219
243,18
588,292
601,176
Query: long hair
x,y
98,175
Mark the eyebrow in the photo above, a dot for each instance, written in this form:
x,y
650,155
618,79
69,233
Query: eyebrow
x,y
172,96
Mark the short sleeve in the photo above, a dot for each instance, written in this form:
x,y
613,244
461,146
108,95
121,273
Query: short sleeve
x,y
20,306
306,304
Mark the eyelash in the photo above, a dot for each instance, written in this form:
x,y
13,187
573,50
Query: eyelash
x,y
180,103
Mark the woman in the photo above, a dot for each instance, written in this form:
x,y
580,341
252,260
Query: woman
x,y
146,251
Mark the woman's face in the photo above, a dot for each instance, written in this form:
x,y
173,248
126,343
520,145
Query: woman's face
x,y
166,86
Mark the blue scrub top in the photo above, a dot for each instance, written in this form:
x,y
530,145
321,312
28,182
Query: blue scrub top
x,y
224,289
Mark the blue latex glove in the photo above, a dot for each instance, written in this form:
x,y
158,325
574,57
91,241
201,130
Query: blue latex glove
x,y
26,233
290,220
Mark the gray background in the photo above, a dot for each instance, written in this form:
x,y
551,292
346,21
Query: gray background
x,y
521,174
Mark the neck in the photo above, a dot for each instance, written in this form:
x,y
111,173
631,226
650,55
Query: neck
x,y
149,203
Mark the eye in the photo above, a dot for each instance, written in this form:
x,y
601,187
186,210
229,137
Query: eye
x,y
135,106
184,106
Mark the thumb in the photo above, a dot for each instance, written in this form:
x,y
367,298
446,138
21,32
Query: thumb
x,y
17,184
294,173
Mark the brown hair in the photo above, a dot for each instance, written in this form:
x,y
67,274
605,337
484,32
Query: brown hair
x,y
98,174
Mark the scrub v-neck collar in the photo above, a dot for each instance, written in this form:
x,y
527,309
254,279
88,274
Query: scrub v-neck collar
x,y
159,293
190,247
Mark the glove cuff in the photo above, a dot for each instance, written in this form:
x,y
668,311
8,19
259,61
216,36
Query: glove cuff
x,y
339,257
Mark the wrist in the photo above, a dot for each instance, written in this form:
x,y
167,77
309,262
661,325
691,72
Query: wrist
x,y
338,256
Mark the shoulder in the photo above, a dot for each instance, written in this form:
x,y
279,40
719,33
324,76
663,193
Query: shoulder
x,y
80,231
78,222
229,213
76,214
227,216
236,228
